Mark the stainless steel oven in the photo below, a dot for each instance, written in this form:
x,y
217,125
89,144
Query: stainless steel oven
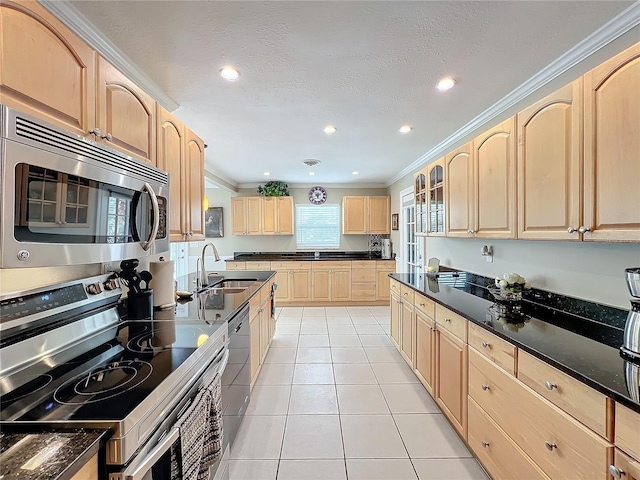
x,y
67,200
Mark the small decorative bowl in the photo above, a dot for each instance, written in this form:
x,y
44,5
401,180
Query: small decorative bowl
x,y
505,295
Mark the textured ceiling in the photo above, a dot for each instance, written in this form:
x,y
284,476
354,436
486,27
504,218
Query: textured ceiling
x,y
366,67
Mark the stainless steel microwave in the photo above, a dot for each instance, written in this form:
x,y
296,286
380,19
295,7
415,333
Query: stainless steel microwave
x,y
67,200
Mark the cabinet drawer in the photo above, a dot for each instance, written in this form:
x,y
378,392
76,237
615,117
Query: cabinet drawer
x,y
452,322
572,396
289,265
235,265
560,445
363,264
363,275
330,265
395,286
628,430
254,303
500,456
425,305
386,265
265,291
628,465
494,348
363,292
406,293
258,265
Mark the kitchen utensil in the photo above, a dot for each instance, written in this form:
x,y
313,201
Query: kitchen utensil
x,y
146,278
633,280
129,264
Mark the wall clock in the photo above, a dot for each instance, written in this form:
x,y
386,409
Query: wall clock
x,y
317,195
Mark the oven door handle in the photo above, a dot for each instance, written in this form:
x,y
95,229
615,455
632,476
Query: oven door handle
x,y
156,217
138,472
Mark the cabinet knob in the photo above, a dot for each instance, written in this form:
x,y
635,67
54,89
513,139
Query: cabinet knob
x,y
616,472
108,137
432,329
405,293
485,387
584,229
549,385
484,444
96,131
571,230
422,304
485,345
447,320
550,446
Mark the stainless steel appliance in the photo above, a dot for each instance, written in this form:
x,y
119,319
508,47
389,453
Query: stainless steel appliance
x,y
631,344
67,360
386,248
67,200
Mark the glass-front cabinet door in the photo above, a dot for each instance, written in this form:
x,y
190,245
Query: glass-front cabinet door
x,y
420,202
435,189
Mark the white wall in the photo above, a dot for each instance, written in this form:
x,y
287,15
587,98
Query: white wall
x,y
592,271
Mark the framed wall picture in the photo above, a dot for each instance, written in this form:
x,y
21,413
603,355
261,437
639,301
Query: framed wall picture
x,y
213,222
394,221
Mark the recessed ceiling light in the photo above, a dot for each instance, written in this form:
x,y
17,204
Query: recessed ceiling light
x,y
354,173
266,174
312,173
445,84
329,129
405,129
229,73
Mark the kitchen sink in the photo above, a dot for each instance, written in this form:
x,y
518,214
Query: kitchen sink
x,y
217,290
235,283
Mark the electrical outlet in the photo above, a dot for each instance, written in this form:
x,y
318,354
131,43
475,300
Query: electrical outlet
x,y
106,268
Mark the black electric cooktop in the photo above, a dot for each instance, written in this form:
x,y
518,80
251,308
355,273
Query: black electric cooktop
x,y
105,382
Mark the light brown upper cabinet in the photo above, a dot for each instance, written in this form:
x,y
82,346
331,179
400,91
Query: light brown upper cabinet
x,y
420,201
125,114
366,215
246,215
459,192
494,173
612,150
435,193
45,69
181,154
549,187
277,215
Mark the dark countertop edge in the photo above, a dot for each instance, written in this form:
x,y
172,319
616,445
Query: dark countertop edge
x,y
102,435
249,257
578,376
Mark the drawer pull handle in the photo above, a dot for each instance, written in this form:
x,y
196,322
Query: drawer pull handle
x,y
447,320
616,472
549,385
485,345
485,387
405,293
485,444
432,329
550,446
422,304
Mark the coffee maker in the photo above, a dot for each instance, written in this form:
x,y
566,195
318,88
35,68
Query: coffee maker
x,y
386,249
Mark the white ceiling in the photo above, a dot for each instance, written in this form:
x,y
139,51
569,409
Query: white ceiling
x,y
366,67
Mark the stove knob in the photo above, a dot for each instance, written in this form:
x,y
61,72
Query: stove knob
x,y
111,284
94,288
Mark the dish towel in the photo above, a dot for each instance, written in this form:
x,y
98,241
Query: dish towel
x,y
201,433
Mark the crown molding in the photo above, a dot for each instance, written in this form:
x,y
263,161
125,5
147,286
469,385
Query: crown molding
x,y
325,185
221,181
616,27
67,14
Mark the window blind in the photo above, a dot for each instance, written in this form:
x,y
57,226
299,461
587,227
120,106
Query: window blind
x,y
318,226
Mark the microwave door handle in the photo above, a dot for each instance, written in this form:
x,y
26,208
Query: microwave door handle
x,y
156,217
138,472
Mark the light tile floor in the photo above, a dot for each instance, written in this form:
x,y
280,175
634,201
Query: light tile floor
x,y
336,401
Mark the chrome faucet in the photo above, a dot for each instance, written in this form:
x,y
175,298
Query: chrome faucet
x,y
204,279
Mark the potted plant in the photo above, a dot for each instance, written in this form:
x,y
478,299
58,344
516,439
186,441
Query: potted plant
x,y
274,189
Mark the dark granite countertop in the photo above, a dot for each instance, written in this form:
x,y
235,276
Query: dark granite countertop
x,y
587,348
262,256
47,455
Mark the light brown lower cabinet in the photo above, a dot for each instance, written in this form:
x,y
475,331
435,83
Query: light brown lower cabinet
x,y
502,458
89,471
254,345
624,466
451,378
261,329
627,430
560,445
407,332
425,351
396,318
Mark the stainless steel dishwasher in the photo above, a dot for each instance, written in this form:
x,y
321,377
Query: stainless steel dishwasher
x,y
236,380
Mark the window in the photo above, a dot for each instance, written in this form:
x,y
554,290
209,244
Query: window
x,y
317,226
117,219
